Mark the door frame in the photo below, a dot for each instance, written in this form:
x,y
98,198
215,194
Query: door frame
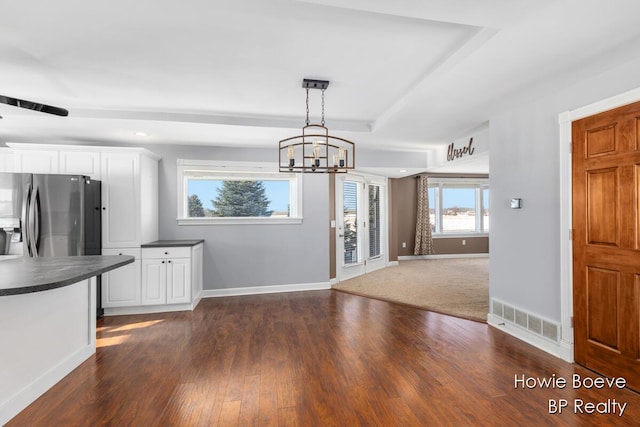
x,y
366,179
566,225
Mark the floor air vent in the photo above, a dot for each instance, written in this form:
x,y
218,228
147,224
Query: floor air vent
x,y
532,323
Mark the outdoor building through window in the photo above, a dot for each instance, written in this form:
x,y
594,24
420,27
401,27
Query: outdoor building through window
x,y
212,194
459,206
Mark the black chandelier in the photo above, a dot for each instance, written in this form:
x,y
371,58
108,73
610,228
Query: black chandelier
x,y
315,150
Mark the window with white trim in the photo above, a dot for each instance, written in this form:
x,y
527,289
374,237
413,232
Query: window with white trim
x,y
237,193
459,207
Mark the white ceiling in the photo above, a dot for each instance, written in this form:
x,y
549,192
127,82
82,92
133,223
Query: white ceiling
x,y
405,75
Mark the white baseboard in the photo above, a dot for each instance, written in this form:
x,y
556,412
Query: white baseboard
x,y
442,256
393,263
215,293
149,309
23,398
561,350
256,290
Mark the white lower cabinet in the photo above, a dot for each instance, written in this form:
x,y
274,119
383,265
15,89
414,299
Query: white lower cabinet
x,y
166,281
161,279
154,281
121,287
179,281
167,274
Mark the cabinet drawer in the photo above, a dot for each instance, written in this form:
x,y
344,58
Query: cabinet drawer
x,y
134,252
167,252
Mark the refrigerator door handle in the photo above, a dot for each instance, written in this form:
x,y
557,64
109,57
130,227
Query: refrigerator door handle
x,y
34,222
26,222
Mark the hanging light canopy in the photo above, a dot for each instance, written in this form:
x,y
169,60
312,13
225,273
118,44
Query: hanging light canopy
x,y
315,150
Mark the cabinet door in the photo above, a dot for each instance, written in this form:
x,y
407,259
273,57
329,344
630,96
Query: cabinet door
x,y
120,200
36,161
7,160
121,287
80,163
179,280
154,281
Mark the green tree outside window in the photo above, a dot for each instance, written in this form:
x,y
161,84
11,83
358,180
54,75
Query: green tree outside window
x,y
241,199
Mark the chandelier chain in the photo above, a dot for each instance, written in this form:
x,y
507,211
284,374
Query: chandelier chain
x,y
307,106
322,121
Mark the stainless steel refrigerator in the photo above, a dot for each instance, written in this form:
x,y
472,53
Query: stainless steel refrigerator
x,y
49,215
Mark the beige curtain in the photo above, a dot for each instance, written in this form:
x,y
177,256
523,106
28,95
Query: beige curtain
x,y
424,241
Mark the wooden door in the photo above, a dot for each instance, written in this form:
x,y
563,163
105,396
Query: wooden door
x,y
606,245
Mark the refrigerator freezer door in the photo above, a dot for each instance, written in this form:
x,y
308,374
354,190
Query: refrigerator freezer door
x,y
58,203
92,217
12,187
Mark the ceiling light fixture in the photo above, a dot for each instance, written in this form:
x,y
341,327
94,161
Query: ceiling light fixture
x,y
315,150
141,134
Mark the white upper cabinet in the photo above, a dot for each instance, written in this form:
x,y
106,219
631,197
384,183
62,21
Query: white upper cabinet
x,y
74,162
129,184
129,198
120,194
36,161
63,159
7,160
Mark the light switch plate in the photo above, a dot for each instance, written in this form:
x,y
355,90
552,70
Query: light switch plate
x,y
516,203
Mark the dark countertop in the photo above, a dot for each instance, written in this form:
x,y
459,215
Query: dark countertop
x,y
24,275
171,243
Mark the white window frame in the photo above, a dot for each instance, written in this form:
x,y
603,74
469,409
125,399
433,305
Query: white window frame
x,y
479,184
238,171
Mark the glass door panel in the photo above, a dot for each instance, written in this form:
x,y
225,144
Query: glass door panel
x,y
350,220
375,241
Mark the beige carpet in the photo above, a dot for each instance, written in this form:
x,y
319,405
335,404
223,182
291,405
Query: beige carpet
x,y
458,287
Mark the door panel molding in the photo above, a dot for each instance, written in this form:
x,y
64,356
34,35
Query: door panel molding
x,y
602,212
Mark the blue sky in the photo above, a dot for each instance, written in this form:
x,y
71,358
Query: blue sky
x,y
460,197
277,192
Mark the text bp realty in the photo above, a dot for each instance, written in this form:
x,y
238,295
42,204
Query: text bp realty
x,y
578,406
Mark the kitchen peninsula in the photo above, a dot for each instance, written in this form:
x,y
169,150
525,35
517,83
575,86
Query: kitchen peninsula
x,y
47,322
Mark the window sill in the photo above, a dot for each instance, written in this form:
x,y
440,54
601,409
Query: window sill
x,y
238,221
458,236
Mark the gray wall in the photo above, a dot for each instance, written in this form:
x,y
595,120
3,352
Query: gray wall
x,y
250,255
525,244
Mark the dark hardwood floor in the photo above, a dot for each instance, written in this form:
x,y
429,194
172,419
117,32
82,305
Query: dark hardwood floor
x,y
321,358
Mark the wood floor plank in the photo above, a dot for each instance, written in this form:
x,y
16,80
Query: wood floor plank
x,y
249,411
230,413
320,358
